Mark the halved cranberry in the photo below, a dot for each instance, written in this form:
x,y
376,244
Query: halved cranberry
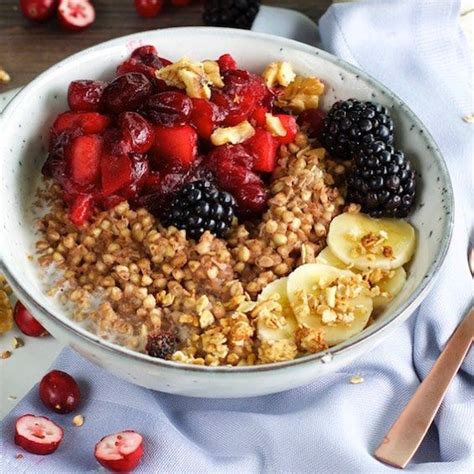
x,y
26,322
59,392
168,108
226,63
76,15
84,96
313,119
126,93
137,132
204,117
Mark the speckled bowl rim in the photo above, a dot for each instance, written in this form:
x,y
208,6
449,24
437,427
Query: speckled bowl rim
x,y
411,303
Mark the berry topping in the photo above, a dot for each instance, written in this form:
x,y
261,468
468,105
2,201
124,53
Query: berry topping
x,y
126,93
200,206
176,144
116,171
161,344
313,120
76,15
352,124
81,209
59,392
204,117
84,158
289,124
168,108
233,13
84,96
120,452
145,60
226,63
382,181
38,434
38,10
137,132
148,8
26,323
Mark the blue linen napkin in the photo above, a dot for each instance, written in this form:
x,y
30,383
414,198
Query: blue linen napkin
x,y
415,48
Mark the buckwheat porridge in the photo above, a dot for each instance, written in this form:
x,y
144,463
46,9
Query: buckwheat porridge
x,y
204,214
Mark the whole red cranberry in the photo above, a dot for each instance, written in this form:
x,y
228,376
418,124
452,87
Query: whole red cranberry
x,y
59,392
38,10
84,96
27,323
126,93
137,132
313,119
168,108
148,8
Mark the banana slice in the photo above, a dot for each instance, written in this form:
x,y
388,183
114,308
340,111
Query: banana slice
x,y
328,258
392,286
316,294
367,243
280,324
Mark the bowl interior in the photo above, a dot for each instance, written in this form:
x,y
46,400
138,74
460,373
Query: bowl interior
x,y
26,121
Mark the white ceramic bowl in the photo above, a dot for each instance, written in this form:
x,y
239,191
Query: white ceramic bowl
x,y
24,130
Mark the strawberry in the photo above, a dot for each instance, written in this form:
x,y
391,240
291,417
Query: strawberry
x,y
84,158
86,122
176,144
116,171
226,63
120,452
38,434
204,116
289,123
263,147
84,96
76,15
258,116
81,209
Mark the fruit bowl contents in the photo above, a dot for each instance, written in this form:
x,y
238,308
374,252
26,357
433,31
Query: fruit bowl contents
x,y
205,214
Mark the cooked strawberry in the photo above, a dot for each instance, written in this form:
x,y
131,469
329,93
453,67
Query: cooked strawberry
x,y
263,147
289,123
84,96
116,172
226,63
120,452
38,434
84,158
204,117
87,122
136,131
178,143
81,209
258,116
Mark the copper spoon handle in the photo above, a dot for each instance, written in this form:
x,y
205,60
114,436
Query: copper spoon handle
x,y
406,434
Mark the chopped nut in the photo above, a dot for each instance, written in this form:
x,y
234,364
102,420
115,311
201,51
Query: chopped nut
x,y
357,379
5,355
78,420
301,94
280,73
237,134
469,118
19,456
4,76
18,342
274,125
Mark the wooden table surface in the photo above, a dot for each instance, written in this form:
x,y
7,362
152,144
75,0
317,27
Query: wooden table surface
x,y
27,49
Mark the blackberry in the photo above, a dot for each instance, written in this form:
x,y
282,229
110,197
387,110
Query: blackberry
x,y
351,124
200,206
231,13
161,344
382,181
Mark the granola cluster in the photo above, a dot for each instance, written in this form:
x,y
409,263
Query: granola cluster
x,y
126,276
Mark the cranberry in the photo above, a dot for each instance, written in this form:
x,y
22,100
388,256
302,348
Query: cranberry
x,y
168,108
226,63
27,323
125,93
59,392
76,15
148,8
140,172
114,142
38,10
84,96
137,132
180,3
144,59
235,154
312,118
